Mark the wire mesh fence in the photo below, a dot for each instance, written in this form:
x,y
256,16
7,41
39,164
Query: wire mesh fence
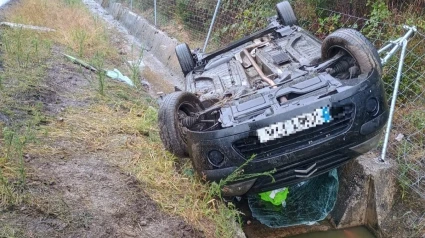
x,y
406,144
190,20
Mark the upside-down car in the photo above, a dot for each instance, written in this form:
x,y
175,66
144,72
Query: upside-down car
x,y
281,98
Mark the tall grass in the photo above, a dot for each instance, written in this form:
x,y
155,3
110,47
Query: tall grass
x,y
98,61
13,172
75,27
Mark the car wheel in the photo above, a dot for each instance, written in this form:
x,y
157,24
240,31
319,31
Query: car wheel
x,y
355,44
286,13
175,108
184,55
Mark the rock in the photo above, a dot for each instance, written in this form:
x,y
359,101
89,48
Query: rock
x,y
239,233
145,84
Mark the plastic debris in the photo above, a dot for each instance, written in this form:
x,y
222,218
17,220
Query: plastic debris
x,y
276,197
28,27
307,203
399,137
113,74
80,62
116,74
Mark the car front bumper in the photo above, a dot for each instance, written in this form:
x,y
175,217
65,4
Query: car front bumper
x,y
296,157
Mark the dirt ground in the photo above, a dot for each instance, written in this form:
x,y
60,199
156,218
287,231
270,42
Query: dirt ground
x,y
82,194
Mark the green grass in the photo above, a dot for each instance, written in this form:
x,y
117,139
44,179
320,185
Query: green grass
x,y
98,61
23,57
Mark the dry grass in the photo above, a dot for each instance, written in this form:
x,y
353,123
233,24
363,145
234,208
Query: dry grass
x,y
100,127
75,27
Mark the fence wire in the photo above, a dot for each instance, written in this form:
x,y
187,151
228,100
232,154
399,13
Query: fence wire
x,y
189,21
406,144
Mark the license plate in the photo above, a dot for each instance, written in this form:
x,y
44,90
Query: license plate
x,y
303,122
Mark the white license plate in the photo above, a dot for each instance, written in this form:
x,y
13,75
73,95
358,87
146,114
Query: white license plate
x,y
299,123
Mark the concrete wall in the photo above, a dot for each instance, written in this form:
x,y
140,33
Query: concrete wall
x,y
152,39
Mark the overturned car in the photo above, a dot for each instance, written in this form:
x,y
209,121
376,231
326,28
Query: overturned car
x,y
280,98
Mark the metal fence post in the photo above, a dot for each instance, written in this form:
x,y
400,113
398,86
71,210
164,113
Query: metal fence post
x,y
212,25
394,99
155,13
131,5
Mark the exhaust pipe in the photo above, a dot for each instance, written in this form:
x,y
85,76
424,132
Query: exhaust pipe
x,y
258,69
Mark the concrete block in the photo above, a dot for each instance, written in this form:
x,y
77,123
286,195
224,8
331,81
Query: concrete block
x,y
152,39
365,197
146,34
116,10
351,206
129,19
366,194
104,3
383,187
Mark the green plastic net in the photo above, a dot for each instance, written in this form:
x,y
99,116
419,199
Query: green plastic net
x,y
306,203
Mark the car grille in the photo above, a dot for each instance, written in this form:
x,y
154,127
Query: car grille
x,y
287,175
251,145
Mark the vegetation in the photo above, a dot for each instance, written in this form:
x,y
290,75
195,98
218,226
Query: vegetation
x,y
114,109
379,21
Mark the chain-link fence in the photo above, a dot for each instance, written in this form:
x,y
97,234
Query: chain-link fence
x,y
190,20
406,143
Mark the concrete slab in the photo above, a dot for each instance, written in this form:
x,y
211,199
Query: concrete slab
x,y
153,40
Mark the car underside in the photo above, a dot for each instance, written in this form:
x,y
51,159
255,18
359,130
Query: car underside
x,y
278,100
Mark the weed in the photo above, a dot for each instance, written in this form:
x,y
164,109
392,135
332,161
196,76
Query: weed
x,y
230,212
237,175
80,36
5,189
409,167
417,119
135,67
379,14
98,62
148,124
329,24
72,2
8,138
12,161
1,82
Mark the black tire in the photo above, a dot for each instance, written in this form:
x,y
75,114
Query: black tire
x,y
355,44
286,13
184,55
170,128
